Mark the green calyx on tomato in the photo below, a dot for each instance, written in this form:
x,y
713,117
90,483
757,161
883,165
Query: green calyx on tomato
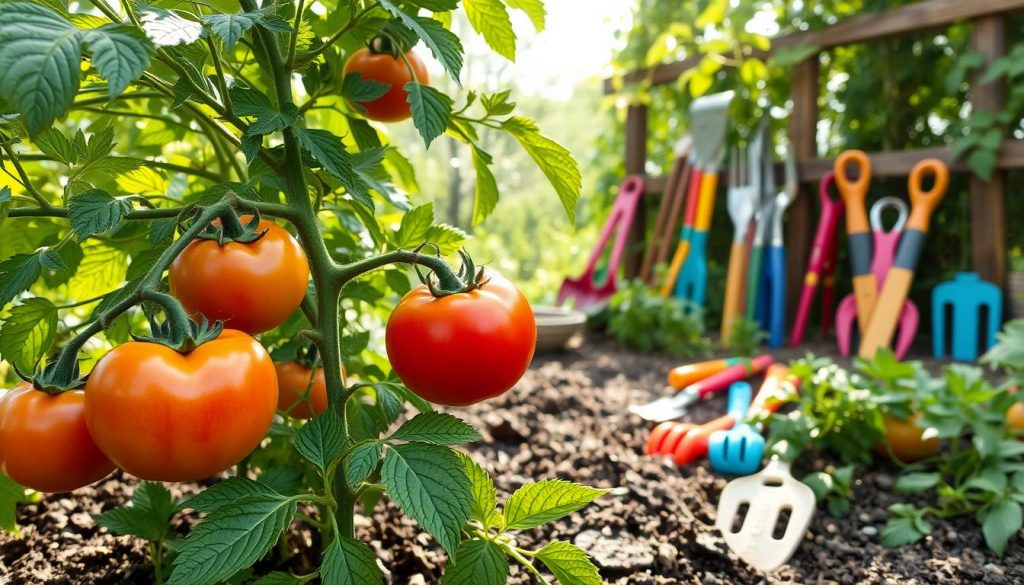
x,y
229,227
449,283
184,338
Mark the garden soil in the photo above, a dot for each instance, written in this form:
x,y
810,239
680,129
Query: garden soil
x,y
566,419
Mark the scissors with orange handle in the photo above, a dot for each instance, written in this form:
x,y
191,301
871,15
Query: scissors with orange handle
x,y
886,314
854,194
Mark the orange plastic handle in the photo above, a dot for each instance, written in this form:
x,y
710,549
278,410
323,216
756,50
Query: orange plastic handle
x,y
773,390
854,193
923,203
706,205
683,376
734,287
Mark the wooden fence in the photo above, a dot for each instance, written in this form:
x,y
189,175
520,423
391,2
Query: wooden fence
x,y
988,199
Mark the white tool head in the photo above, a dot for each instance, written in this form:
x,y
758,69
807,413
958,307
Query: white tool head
x,y
709,118
762,537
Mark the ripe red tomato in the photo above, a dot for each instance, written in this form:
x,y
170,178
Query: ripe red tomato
x,y
292,384
391,70
44,442
252,287
462,348
904,437
164,416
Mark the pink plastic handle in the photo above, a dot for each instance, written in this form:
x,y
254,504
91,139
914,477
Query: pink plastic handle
x,y
821,255
726,377
620,221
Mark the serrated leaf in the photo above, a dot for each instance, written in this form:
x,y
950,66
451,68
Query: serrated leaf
x,y
477,562
533,9
230,27
11,494
485,497
40,65
444,45
448,239
361,461
569,564
486,186
429,484
120,53
27,333
249,102
1003,521
277,578
900,531
355,88
328,150
95,212
431,110
56,146
415,225
144,181
272,120
552,158
147,517
546,501
350,562
161,231
70,256
225,493
232,538
17,273
437,5
439,428
321,439
286,481
167,28
490,19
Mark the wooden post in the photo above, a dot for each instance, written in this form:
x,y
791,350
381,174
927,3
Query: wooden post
x,y
636,160
803,125
988,200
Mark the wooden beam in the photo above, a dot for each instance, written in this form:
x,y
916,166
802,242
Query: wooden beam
x,y
988,199
803,134
636,161
910,18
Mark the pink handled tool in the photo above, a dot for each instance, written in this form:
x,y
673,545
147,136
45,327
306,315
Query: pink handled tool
x,y
590,295
822,263
885,244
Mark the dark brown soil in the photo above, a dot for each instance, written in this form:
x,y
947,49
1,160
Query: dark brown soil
x,y
567,419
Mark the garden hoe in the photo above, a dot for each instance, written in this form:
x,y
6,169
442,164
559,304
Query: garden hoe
x,y
779,510
668,211
742,198
709,116
588,294
672,407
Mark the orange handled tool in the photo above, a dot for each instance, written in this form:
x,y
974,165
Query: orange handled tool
x,y
683,376
683,249
886,315
854,194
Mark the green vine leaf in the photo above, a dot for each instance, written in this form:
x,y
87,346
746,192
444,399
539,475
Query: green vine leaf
x,y
18,272
546,501
415,226
321,439
350,562
1002,522
329,151
361,461
569,564
429,484
552,158
438,428
120,53
445,46
225,493
431,110
356,89
95,212
534,9
146,518
167,28
490,19
11,494
486,186
231,27
477,562
27,333
485,497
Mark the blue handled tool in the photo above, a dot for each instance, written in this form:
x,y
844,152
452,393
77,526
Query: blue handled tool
x,y
964,297
739,451
773,311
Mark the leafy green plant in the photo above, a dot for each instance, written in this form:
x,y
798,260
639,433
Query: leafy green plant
x,y
745,336
639,317
834,487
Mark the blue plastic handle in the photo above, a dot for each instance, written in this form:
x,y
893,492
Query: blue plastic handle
x,y
740,394
777,307
691,284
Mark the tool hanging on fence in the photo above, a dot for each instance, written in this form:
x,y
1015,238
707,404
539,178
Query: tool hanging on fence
x,y
709,116
965,334
742,198
898,279
854,194
668,211
884,244
821,266
584,290
764,183
774,284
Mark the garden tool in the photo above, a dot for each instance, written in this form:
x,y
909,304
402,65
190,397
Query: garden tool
x,y
884,244
585,290
898,279
739,451
668,210
774,287
854,194
763,175
672,407
821,265
964,297
694,444
742,198
764,537
708,118
683,376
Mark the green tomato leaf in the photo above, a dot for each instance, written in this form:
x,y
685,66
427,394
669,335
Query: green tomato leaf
x,y
415,226
444,45
916,482
485,497
546,501
232,538
231,27
18,272
448,239
486,186
477,562
552,158
362,460
95,212
321,439
146,518
11,494
350,562
431,110
490,19
900,531
271,121
438,428
55,145
1001,523
249,102
328,150
569,564
278,578
429,483
355,88
226,493
533,9
27,333
120,53
167,28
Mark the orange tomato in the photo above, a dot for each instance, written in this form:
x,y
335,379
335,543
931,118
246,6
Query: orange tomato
x,y
252,287
904,437
164,416
1015,417
45,443
293,380
392,71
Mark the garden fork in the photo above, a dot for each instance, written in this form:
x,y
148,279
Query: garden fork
x,y
742,198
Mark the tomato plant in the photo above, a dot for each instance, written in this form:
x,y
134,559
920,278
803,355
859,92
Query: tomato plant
x,y
211,172
465,346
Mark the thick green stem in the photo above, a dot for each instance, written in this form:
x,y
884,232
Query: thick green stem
x,y
436,264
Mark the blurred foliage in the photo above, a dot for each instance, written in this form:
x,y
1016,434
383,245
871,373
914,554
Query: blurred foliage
x,y
639,317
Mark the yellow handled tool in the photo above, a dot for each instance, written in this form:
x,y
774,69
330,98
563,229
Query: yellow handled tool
x,y
854,193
